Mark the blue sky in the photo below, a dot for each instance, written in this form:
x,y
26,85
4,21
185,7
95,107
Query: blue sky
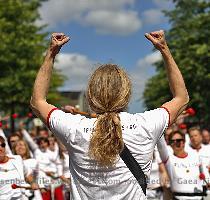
x,y
104,31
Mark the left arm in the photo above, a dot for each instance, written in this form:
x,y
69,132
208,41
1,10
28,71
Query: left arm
x,y
38,101
163,151
164,178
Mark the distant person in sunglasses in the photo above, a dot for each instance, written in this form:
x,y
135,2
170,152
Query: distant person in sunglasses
x,y
183,168
7,148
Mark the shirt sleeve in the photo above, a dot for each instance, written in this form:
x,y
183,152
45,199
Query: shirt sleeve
x,y
62,124
26,170
163,150
157,156
32,144
155,121
59,164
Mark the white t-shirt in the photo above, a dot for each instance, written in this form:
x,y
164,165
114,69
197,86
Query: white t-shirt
x,y
88,181
183,172
31,167
184,175
204,157
45,161
11,172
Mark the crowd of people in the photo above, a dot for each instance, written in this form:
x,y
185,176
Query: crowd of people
x,y
84,158
181,164
35,165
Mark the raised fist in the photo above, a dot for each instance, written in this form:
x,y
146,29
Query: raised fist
x,y
157,38
57,41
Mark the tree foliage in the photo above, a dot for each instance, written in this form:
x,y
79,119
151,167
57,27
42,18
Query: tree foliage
x,y
188,39
22,47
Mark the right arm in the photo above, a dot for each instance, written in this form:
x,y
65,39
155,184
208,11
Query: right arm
x,y
176,82
38,102
163,150
164,155
32,144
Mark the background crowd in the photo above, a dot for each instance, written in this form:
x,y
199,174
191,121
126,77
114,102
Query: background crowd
x,y
181,164
35,165
43,168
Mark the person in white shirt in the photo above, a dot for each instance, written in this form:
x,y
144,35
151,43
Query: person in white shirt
x,y
8,150
205,136
12,172
94,145
48,168
183,169
31,165
53,146
202,151
48,171
196,146
13,138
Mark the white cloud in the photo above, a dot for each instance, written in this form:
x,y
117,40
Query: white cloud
x,y
153,16
76,68
105,16
148,60
144,69
114,22
164,4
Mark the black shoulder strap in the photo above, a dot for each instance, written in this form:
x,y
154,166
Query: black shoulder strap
x,y
134,167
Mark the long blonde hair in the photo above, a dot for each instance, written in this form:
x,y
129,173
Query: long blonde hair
x,y
27,154
108,93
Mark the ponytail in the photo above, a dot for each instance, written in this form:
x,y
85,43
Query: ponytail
x,y
106,142
108,93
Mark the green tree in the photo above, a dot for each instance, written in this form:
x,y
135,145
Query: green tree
x,y
188,39
22,46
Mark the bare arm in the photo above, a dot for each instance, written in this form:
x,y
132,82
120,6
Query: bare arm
x,y
32,144
164,178
30,179
38,100
176,82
